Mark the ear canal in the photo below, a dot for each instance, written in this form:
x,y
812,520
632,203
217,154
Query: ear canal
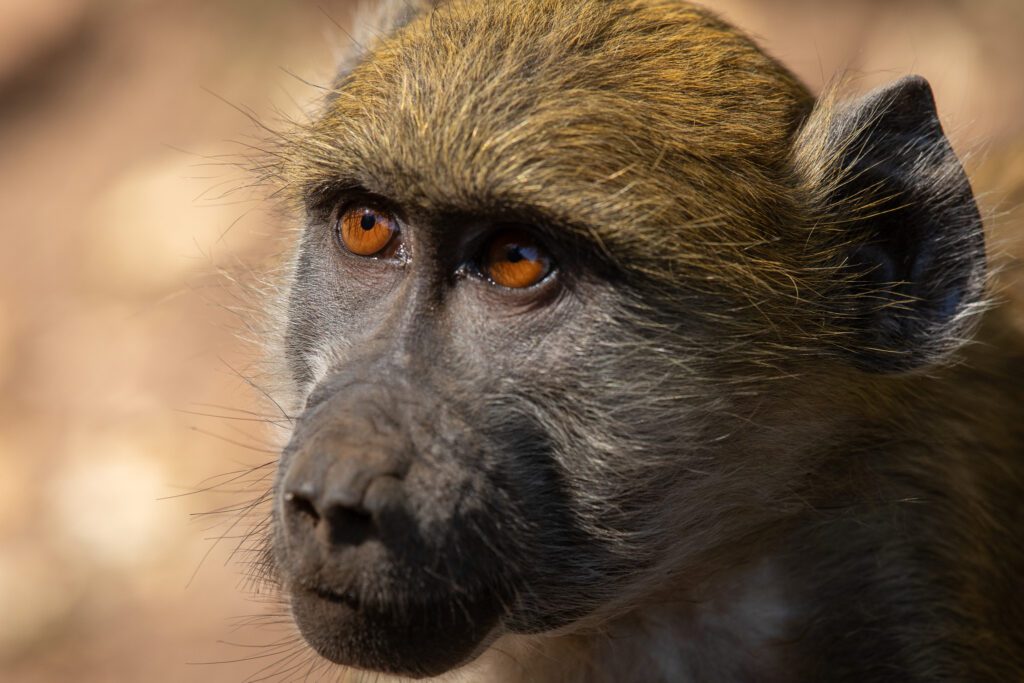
x,y
906,227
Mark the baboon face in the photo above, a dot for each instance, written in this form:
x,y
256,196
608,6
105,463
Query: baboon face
x,y
545,283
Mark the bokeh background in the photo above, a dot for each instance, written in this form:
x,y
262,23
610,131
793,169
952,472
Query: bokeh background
x,y
123,222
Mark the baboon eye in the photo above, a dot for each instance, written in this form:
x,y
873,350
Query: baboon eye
x,y
366,231
515,260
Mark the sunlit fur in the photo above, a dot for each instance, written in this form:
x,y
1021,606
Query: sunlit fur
x,y
780,512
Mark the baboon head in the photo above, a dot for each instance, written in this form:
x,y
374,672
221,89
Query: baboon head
x,y
576,281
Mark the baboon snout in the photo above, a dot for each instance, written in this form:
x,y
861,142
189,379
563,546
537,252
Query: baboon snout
x,y
344,478
343,505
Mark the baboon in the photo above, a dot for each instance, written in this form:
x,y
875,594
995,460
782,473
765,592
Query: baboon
x,y
616,355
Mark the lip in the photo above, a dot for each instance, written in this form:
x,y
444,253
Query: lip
x,y
417,639
345,598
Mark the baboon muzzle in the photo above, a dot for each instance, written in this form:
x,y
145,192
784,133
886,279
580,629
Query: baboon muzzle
x,y
369,551
344,478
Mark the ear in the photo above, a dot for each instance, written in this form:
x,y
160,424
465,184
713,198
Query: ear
x,y
375,20
388,16
909,235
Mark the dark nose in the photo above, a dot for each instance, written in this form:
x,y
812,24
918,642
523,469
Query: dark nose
x,y
338,489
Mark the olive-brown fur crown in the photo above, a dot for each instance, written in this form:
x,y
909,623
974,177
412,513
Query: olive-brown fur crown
x,y
481,105
669,140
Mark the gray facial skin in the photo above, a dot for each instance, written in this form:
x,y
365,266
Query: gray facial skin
x,y
441,456
740,356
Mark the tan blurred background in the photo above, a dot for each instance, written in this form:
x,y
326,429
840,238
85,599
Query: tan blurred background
x,y
116,331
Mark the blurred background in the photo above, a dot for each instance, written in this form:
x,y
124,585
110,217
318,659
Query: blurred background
x,y
121,225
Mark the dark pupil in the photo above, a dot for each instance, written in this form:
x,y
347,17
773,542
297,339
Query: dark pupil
x,y
514,253
368,222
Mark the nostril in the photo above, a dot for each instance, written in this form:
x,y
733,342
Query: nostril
x,y
341,503
336,519
300,505
348,525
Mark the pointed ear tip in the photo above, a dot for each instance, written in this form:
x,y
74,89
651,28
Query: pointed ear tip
x,y
906,104
913,89
913,81
914,85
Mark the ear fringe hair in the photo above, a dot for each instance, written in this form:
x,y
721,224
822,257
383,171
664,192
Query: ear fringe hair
x,y
830,156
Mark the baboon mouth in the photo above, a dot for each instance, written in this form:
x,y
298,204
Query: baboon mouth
x,y
406,637
338,597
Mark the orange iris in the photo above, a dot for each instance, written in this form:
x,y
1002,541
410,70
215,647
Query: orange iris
x,y
366,231
515,260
